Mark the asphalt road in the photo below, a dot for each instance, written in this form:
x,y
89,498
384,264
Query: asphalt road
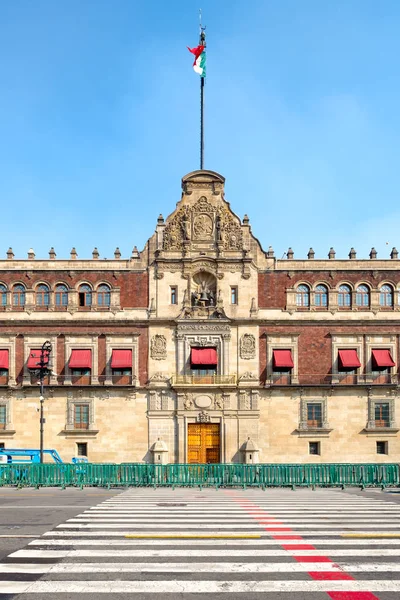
x,y
187,544
31,512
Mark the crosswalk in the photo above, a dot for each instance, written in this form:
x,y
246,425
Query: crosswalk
x,y
241,543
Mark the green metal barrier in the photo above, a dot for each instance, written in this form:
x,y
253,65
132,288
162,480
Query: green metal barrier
x,y
190,475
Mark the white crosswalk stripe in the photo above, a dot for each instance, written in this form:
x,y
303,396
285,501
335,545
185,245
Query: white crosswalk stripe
x,y
238,542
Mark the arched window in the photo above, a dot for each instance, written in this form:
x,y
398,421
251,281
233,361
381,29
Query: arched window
x,y
61,295
42,295
344,296
303,296
103,295
3,294
85,295
386,295
18,295
321,296
362,295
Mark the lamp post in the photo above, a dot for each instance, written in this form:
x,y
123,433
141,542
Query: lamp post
x,y
42,371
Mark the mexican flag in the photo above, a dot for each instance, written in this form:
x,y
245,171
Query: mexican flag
x,y
199,64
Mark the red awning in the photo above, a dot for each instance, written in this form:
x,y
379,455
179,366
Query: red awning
x,y
349,359
34,358
3,359
382,358
203,356
283,358
80,359
121,359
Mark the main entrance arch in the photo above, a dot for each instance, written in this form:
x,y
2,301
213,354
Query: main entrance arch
x,y
204,441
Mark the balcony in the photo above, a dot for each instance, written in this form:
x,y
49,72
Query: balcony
x,y
203,380
336,379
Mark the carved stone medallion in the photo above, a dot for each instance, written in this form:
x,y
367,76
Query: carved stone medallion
x,y
158,347
202,227
247,346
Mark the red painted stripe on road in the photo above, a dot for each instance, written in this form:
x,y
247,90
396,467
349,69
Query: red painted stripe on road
x,y
298,547
330,575
352,596
287,537
312,559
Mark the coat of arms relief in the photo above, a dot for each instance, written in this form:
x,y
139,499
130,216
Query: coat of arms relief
x,y
203,223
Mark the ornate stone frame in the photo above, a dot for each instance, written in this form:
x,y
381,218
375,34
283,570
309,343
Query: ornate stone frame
x,y
8,343
379,341
69,425
5,400
82,343
303,426
371,426
203,334
346,342
123,343
33,342
282,342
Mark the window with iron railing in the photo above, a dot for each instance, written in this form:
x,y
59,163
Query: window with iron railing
x,y
81,376
3,376
122,376
81,416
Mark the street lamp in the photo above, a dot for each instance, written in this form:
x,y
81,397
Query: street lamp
x,y
42,371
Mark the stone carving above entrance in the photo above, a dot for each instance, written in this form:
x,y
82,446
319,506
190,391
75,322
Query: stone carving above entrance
x,y
201,223
203,417
247,346
158,347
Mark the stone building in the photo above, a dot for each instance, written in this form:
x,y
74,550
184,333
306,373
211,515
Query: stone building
x,y
203,347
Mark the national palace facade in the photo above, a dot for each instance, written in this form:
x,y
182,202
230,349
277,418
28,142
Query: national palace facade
x,y
203,347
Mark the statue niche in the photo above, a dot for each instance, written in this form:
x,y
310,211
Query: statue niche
x,y
204,290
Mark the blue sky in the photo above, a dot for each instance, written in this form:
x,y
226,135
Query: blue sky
x,y
99,120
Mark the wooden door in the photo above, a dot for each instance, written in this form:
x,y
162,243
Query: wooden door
x,y
203,443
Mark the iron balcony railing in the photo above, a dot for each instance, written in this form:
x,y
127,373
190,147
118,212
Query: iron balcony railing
x,y
343,378
203,380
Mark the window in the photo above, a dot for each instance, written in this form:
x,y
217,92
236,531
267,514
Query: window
x,y
303,296
314,414
3,295
81,376
2,445
321,296
3,376
344,296
314,448
174,295
85,295
103,296
382,448
42,295
386,296
82,449
81,416
362,296
382,414
18,295
3,416
234,295
61,295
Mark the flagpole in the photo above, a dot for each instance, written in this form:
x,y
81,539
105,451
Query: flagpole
x,y
202,42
